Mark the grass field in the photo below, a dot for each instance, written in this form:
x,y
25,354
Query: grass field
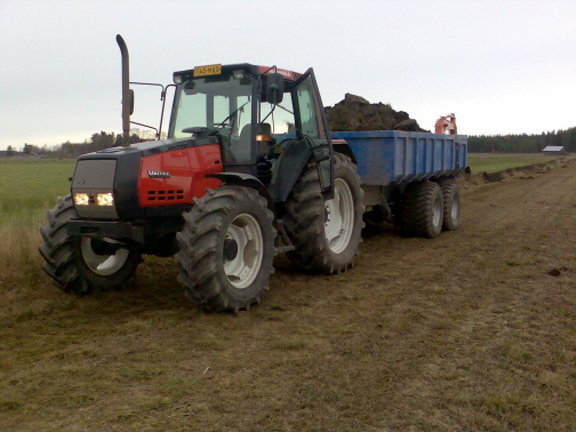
x,y
27,189
494,162
474,331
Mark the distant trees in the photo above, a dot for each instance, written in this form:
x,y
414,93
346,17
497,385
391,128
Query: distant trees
x,y
98,141
30,149
522,143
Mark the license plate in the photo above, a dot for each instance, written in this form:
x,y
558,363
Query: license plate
x,y
200,71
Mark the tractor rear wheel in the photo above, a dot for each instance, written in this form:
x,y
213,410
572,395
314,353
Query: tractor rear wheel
x,y
422,209
326,234
451,198
80,264
226,249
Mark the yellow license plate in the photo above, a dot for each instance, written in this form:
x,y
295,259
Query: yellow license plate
x,y
207,70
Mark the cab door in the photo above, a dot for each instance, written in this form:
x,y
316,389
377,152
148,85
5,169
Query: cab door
x,y
312,127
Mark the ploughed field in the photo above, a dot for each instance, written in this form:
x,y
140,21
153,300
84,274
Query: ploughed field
x,y
472,331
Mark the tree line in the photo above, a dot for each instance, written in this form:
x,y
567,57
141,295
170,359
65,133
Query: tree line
x,y
98,141
522,143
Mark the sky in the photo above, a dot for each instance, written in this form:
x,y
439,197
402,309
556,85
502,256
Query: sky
x,y
505,66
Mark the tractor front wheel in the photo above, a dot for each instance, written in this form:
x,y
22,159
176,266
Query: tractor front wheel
x,y
80,264
226,249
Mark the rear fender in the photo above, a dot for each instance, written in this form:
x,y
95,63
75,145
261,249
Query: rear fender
x,y
341,146
288,169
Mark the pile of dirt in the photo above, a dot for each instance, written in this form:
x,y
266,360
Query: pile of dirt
x,y
521,173
354,113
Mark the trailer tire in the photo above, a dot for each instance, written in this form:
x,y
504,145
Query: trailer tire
x,y
79,265
422,209
226,249
326,234
451,199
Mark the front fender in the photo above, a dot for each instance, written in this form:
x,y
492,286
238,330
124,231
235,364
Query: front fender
x,y
288,169
245,180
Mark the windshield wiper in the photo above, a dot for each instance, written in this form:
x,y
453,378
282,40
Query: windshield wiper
x,y
223,122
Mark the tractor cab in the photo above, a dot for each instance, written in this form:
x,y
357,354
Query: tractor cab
x,y
257,113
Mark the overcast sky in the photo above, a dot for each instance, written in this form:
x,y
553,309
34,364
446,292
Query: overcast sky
x,y
501,66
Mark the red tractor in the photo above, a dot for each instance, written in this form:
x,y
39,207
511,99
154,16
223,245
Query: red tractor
x,y
248,170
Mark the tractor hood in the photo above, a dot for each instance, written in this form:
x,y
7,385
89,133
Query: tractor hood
x,y
127,173
151,147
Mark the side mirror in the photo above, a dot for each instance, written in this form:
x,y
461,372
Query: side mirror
x,y
273,88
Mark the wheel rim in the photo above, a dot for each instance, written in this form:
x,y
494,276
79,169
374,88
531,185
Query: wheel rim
x,y
455,208
102,263
339,221
245,251
437,213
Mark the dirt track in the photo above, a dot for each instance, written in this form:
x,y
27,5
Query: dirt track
x,y
473,331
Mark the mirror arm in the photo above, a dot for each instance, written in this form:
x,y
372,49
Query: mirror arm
x,y
164,90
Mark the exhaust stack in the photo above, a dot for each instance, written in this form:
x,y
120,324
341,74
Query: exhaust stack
x,y
127,93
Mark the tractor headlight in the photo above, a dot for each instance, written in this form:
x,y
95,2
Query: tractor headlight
x,y
105,199
81,199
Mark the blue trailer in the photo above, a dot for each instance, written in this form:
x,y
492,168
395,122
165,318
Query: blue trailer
x,y
408,177
397,157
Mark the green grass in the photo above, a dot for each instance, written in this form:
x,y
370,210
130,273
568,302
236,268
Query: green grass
x,y
432,343
27,188
494,162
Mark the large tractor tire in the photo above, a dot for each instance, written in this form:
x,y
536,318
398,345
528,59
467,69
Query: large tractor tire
x,y
326,234
451,199
79,265
226,249
422,209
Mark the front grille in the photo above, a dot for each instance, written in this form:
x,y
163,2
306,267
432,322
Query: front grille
x,y
164,195
93,176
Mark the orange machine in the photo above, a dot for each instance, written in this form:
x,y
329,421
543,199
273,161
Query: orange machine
x,y
446,125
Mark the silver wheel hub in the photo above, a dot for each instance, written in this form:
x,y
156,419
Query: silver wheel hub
x,y
100,262
455,209
244,251
339,220
437,212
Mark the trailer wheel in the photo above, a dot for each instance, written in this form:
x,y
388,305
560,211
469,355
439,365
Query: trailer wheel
x,y
326,234
451,198
78,265
226,249
422,209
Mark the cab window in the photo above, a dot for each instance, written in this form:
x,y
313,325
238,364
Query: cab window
x,y
309,110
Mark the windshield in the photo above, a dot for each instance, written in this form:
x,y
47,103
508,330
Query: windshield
x,y
280,117
221,103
